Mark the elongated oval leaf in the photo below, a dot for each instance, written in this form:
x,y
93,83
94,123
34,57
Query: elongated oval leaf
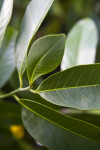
x,y
80,49
5,16
81,128
76,87
45,55
34,15
7,61
80,44
52,136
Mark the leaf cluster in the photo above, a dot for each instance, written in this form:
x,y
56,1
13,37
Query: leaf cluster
x,y
77,86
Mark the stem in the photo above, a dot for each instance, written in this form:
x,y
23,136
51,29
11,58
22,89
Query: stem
x,y
16,97
21,81
14,92
10,94
32,91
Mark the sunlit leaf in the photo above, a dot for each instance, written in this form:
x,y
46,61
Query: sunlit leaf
x,y
5,16
34,15
81,44
7,60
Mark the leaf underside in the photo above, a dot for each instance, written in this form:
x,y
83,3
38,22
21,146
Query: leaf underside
x,y
81,44
76,87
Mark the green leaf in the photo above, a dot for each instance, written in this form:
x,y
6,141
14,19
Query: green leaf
x,y
76,87
45,55
88,116
52,136
91,116
80,44
7,61
81,49
71,125
34,15
5,16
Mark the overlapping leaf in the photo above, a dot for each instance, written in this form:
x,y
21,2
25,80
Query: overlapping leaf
x,y
76,87
45,55
54,137
34,15
5,16
7,60
14,81
70,124
80,44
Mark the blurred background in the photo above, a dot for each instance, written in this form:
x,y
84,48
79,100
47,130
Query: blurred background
x,y
60,19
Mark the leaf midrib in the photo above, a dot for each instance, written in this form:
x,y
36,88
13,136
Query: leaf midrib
x,y
58,89
70,87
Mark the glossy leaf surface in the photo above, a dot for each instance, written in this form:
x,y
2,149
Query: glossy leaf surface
x,y
52,136
81,44
76,87
7,59
34,15
5,16
45,55
70,124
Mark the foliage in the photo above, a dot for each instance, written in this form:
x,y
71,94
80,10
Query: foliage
x,y
61,111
